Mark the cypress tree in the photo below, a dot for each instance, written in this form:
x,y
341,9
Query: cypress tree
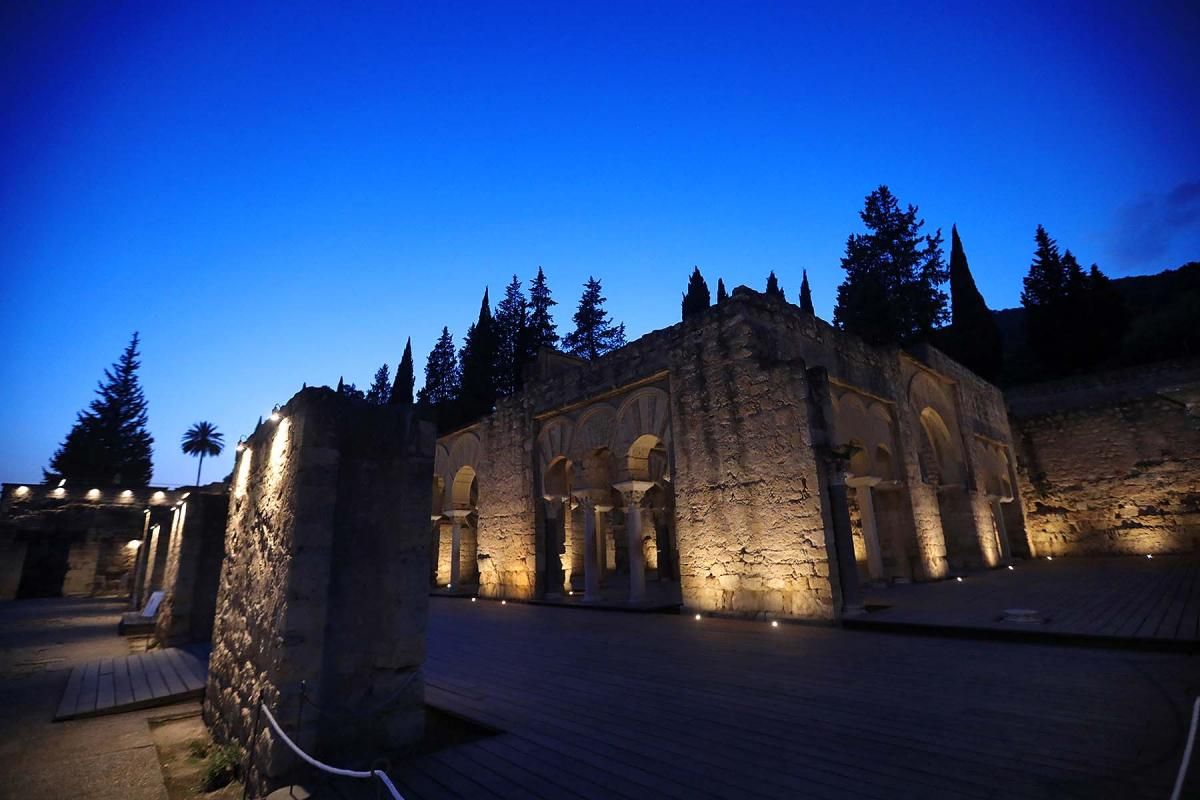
x,y
697,298
722,295
109,443
893,273
381,387
478,360
805,295
512,331
773,286
402,387
594,333
542,331
341,387
973,337
442,377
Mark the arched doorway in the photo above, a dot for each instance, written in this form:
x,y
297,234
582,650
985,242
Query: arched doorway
x,y
556,526
942,466
463,556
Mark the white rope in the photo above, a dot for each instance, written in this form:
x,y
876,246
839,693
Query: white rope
x,y
346,773
1187,751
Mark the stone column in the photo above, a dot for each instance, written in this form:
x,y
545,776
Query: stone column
x,y
633,492
592,547
458,521
605,548
866,509
839,517
1001,530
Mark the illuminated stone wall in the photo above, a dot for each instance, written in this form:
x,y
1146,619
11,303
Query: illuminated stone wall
x,y
1110,463
725,402
193,570
325,581
505,538
750,527
78,537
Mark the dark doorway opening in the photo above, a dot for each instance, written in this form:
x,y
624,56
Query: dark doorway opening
x,y
46,561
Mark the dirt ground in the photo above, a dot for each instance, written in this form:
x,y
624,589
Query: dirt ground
x,y
179,740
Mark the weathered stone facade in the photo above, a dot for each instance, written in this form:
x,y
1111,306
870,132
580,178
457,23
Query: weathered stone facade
x,y
324,584
195,552
1110,463
697,464
73,541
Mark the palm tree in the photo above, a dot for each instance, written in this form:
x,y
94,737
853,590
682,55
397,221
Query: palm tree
x,y
202,439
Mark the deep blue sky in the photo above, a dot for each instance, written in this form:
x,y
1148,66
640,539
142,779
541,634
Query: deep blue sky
x,y
281,195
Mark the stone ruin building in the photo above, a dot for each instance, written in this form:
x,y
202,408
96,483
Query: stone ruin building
x,y
729,463
78,541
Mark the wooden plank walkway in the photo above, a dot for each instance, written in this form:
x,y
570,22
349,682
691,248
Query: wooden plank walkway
x,y
1131,600
113,685
611,705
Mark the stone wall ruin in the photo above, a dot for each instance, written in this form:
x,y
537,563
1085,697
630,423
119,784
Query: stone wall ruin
x,y
324,584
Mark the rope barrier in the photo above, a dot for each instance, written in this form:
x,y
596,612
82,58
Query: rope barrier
x,y
1187,752
345,773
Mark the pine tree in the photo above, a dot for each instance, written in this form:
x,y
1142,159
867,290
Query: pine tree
x,y
697,298
893,273
402,389
381,387
973,337
442,375
109,443
722,295
1054,300
773,286
805,295
542,331
594,333
512,333
478,360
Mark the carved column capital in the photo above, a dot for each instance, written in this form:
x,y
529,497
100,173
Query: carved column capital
x,y
633,491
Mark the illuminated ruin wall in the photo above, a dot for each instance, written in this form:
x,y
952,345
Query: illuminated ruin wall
x,y
195,552
325,581
73,541
726,397
1110,463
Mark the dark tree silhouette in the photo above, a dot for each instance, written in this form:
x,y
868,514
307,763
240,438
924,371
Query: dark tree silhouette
x,y
893,273
542,331
773,286
697,298
442,375
349,390
381,387
402,388
478,359
202,439
973,337
594,333
1073,319
109,443
512,334
805,295
722,295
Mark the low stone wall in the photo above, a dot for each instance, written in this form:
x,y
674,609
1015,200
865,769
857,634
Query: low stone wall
x,y
193,571
324,584
1110,463
70,541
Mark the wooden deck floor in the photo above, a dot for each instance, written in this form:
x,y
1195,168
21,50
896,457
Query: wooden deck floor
x,y
1131,599
114,685
605,704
